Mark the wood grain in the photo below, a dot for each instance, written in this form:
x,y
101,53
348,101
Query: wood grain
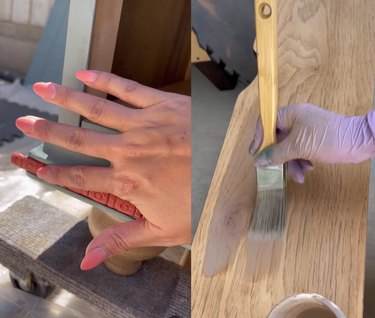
x,y
104,38
326,55
153,43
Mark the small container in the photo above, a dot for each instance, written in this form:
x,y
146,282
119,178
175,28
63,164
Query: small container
x,y
306,306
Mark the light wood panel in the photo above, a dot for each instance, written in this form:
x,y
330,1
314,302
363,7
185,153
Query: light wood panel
x,y
104,38
326,55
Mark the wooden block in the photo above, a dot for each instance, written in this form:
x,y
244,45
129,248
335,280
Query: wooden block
x,y
325,57
104,35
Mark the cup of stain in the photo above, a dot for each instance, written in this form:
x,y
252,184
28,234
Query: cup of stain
x,y
306,306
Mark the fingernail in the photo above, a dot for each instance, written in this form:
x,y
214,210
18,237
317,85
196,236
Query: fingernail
x,y
300,178
86,76
43,173
26,124
307,165
46,90
308,168
263,159
94,258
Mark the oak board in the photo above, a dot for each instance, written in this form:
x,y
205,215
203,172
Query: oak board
x,y
326,56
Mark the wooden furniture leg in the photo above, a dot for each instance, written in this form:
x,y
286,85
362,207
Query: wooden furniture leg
x,y
326,55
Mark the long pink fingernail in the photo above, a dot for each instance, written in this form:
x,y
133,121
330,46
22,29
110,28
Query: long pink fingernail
x,y
26,124
93,258
45,90
86,76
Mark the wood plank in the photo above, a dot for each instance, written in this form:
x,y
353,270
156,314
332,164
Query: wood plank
x,y
326,52
104,38
154,42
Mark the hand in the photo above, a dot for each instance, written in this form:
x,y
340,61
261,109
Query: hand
x,y
308,133
150,158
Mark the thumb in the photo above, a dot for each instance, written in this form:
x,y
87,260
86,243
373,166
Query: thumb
x,y
274,155
285,119
258,137
116,239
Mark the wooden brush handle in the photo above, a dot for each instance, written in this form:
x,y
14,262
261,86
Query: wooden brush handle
x,y
266,42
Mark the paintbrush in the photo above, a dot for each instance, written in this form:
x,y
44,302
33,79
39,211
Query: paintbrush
x,y
268,220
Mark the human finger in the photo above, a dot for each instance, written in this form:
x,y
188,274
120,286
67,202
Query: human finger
x,y
98,110
283,124
296,171
257,140
276,154
81,140
129,91
117,239
86,178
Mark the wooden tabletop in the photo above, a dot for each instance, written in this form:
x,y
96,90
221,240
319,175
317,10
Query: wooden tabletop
x,y
326,56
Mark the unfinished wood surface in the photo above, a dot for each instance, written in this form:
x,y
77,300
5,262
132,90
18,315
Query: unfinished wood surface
x,y
153,45
104,38
326,55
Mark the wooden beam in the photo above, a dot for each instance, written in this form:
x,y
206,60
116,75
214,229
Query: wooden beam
x,y
154,42
104,37
325,52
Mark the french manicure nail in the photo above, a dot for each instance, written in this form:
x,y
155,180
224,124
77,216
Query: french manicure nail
x,y
46,90
94,258
87,76
26,124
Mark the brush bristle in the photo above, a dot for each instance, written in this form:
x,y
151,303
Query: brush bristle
x,y
268,222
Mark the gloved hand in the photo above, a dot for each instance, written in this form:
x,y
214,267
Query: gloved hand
x,y
307,133
150,158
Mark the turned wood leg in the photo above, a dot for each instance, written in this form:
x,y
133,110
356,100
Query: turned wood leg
x,y
129,262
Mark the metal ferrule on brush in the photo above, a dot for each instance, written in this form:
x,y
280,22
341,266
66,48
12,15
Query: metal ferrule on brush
x,y
268,221
271,178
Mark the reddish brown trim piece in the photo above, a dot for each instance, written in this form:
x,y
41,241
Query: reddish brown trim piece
x,y
31,165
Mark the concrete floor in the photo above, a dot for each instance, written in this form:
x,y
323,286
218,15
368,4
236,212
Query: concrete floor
x,y
211,111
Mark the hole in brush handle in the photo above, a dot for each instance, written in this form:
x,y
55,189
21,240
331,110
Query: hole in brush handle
x,y
265,10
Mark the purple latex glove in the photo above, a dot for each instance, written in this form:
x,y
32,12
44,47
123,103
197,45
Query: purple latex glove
x,y
308,133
